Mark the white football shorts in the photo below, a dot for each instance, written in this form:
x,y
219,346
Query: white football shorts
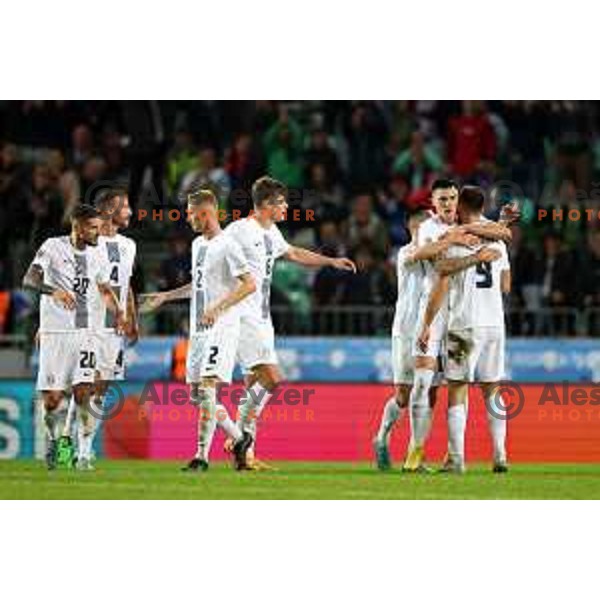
x,y
66,359
476,355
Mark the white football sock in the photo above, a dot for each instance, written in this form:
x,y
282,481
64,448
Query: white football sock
x,y
391,413
257,397
420,411
457,423
226,424
207,422
51,422
496,406
84,433
70,418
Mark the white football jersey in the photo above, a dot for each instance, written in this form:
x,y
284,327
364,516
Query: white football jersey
x,y
75,271
261,248
410,277
216,264
475,294
430,231
120,252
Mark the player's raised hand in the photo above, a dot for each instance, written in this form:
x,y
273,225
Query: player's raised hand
x,y
150,302
487,254
510,213
65,298
344,264
423,339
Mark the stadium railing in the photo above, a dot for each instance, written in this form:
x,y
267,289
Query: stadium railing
x,y
369,321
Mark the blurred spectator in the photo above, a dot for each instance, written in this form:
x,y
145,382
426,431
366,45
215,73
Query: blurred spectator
x,y
283,148
395,209
370,286
320,152
365,136
419,162
207,172
590,290
144,123
556,272
365,227
45,207
244,162
324,197
13,196
82,145
175,269
471,141
182,159
92,172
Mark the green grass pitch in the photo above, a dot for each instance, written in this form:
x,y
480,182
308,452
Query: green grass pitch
x,y
129,479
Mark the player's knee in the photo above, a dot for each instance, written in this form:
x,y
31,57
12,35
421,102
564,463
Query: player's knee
x,y
52,400
270,377
82,392
402,396
199,394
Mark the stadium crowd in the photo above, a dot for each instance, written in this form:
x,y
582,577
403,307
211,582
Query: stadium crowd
x,y
361,167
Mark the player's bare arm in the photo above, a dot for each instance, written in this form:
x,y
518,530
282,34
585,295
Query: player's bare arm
x,y
432,250
448,266
133,330
436,298
489,231
245,287
112,302
34,280
505,282
305,257
154,300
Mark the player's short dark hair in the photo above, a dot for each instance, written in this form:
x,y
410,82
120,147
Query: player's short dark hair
x,y
266,189
105,199
472,198
443,183
202,196
83,212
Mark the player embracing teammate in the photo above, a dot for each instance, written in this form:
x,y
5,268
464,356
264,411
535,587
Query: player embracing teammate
x,y
434,241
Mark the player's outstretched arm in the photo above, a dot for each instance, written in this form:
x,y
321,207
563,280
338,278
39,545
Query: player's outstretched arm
x,y
308,258
245,287
152,301
449,266
34,280
490,231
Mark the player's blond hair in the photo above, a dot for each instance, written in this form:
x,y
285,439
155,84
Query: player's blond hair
x,y
202,196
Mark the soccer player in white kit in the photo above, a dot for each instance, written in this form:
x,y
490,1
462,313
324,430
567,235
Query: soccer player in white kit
x,y
221,279
262,244
410,280
73,279
473,283
109,345
434,237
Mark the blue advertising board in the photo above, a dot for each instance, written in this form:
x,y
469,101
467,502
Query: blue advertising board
x,y
17,431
